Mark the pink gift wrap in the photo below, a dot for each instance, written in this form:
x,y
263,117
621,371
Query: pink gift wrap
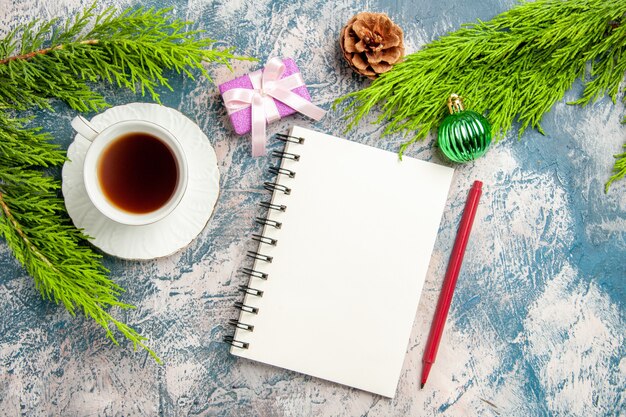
x,y
242,119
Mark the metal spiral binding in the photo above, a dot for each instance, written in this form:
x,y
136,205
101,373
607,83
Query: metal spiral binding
x,y
264,239
259,256
252,273
268,222
251,291
248,309
236,343
272,186
287,138
256,255
268,205
288,155
284,171
243,326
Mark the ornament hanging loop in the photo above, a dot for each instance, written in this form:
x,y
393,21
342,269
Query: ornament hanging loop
x,y
455,103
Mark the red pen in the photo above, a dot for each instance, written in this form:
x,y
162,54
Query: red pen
x,y
447,290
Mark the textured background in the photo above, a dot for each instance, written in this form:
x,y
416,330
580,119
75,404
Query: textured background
x,y
537,323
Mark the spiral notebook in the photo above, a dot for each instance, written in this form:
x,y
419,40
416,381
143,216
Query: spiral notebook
x,y
345,245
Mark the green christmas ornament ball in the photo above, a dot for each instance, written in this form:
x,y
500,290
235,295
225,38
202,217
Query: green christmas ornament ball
x,y
464,135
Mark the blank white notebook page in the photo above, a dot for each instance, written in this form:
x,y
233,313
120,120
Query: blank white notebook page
x,y
349,263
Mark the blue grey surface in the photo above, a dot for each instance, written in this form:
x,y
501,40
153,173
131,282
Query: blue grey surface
x,y
537,324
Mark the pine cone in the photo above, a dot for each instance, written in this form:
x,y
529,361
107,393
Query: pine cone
x,y
371,43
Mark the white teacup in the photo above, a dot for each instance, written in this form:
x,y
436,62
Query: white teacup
x,y
100,142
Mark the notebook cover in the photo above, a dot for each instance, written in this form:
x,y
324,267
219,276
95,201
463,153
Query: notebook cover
x,y
351,257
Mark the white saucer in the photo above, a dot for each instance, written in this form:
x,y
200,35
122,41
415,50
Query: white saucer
x,y
181,226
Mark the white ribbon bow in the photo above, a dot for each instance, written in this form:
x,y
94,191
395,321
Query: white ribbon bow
x,y
266,86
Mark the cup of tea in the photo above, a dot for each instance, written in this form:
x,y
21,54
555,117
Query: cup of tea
x,y
135,171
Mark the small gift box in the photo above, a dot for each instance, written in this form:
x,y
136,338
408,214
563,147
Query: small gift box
x,y
264,96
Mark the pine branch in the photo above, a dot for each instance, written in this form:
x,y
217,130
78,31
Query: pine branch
x,y
43,61
43,51
132,49
70,274
619,170
34,224
514,67
20,146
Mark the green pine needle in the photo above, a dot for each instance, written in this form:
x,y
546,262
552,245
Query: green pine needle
x,y
619,170
514,67
131,49
40,61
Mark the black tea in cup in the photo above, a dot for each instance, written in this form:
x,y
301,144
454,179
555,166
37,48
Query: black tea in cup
x,y
138,173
